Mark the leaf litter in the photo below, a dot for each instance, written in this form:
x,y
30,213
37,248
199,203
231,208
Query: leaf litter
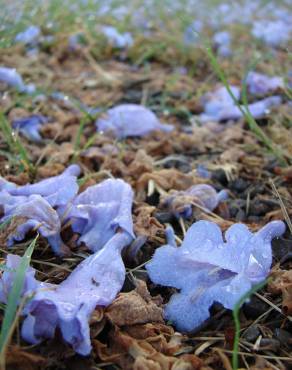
x,y
162,143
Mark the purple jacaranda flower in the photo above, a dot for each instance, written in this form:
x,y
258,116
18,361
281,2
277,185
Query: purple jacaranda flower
x,y
274,33
117,39
40,206
192,32
260,84
208,269
100,211
58,190
35,213
130,120
222,42
203,172
30,126
29,36
181,203
220,107
262,107
68,306
215,101
6,280
75,41
13,79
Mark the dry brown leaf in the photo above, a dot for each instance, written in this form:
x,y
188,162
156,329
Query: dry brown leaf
x,y
282,283
17,359
135,307
145,223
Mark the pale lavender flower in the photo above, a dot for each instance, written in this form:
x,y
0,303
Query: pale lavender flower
x,y
222,42
260,84
68,306
40,206
130,120
36,214
30,126
275,33
58,190
13,79
192,33
29,36
220,107
207,269
181,203
100,211
117,39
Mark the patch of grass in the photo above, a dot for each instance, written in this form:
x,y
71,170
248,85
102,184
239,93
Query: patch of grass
x,y
13,301
235,314
254,127
15,144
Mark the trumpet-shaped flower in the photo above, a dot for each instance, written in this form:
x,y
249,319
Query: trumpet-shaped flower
x,y
207,269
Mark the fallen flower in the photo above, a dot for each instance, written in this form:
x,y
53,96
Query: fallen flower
x,y
181,203
260,84
58,191
10,77
117,39
191,34
95,282
29,36
220,107
33,205
222,42
274,33
208,269
100,211
30,126
33,212
130,120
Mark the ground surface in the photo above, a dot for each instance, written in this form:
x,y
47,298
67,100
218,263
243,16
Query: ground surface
x,y
160,72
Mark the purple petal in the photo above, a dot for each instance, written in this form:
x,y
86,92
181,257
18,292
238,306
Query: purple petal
x,y
208,269
11,78
180,202
260,84
130,120
39,215
272,33
30,126
262,107
29,36
117,39
95,282
100,211
57,190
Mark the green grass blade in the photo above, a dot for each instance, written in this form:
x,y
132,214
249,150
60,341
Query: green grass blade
x,y
235,314
14,143
14,298
244,110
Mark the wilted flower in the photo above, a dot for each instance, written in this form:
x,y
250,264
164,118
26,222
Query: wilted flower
x,y
100,211
13,79
130,120
222,42
272,33
68,306
29,36
39,206
208,269
117,39
260,84
220,107
181,203
30,126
